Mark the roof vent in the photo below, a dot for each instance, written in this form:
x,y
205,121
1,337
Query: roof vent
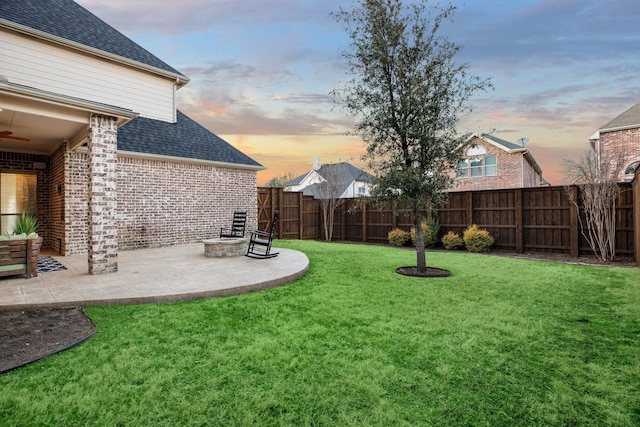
x,y
316,163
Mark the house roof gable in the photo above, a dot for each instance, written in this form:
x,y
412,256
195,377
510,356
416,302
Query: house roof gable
x,y
68,20
183,139
510,148
345,172
628,120
298,180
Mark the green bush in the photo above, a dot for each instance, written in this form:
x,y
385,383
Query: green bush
x,y
398,237
452,240
430,229
477,239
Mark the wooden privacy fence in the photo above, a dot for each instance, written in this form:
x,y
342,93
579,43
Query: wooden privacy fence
x,y
520,220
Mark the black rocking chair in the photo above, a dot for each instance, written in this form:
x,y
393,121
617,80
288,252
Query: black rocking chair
x,y
260,241
237,226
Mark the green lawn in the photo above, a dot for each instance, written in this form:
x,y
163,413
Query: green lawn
x,y
499,342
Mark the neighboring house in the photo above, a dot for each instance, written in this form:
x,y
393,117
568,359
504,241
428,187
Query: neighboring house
x,y
347,180
493,163
621,137
92,142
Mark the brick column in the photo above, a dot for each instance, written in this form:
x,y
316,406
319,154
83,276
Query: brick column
x,y
103,228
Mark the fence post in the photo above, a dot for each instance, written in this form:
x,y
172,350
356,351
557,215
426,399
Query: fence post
x,y
301,216
279,192
364,222
518,218
574,232
635,188
469,208
343,221
394,219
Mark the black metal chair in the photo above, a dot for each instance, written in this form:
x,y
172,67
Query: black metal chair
x,y
237,225
260,241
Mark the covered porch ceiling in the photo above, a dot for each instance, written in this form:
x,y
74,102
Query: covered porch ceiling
x,y
38,122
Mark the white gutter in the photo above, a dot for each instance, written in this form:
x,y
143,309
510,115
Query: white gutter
x,y
619,128
174,159
180,79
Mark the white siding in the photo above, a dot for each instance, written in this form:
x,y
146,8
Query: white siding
x,y
311,178
48,67
353,190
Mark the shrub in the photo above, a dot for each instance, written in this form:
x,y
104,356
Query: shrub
x,y
452,240
430,229
398,237
477,240
25,224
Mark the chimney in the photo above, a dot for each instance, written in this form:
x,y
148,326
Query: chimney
x,y
316,163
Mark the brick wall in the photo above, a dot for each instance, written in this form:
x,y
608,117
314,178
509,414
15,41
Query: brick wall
x,y
159,203
56,201
622,142
510,172
163,203
530,176
103,203
76,209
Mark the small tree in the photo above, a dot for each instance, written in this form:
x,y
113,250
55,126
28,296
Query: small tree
x,y
327,192
596,176
280,181
408,94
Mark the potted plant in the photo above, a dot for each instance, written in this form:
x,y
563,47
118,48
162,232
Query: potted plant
x,y
26,224
26,227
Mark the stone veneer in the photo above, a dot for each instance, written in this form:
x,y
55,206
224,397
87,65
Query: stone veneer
x,y
225,247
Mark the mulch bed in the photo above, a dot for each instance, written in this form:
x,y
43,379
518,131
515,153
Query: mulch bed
x,y
429,272
566,259
30,335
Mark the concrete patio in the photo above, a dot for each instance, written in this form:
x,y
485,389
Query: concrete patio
x,y
168,274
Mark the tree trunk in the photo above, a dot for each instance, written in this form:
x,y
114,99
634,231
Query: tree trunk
x,y
421,262
330,224
325,217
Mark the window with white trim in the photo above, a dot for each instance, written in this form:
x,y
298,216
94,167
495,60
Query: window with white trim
x,y
631,169
477,164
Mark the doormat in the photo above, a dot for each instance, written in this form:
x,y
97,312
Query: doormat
x,y
47,264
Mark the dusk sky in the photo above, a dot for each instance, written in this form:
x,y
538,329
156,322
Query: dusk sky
x,y
261,71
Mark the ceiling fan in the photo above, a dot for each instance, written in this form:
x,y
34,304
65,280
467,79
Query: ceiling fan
x,y
5,134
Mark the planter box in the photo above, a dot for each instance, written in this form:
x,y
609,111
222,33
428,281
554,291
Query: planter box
x,y
19,257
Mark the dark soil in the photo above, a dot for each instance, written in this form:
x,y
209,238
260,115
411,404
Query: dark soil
x,y
30,335
429,272
584,260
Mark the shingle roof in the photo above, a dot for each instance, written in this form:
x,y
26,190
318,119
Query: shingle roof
x,y
628,119
70,21
184,139
346,173
297,181
508,145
